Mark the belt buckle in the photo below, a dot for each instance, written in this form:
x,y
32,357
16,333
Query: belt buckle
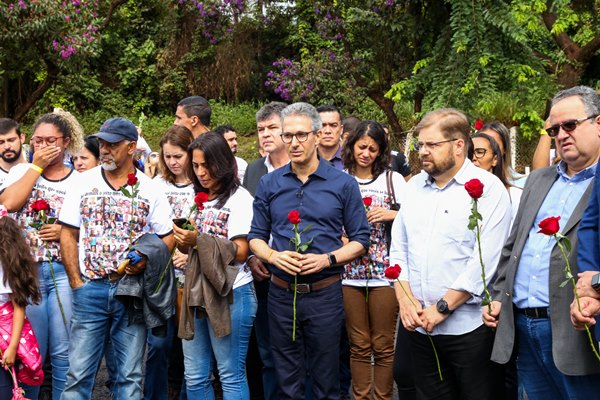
x,y
302,288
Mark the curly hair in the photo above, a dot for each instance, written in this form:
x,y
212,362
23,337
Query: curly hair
x,y
18,266
220,163
66,124
375,131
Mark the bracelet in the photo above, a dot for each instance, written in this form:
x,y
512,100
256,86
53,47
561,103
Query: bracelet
x,y
270,254
36,168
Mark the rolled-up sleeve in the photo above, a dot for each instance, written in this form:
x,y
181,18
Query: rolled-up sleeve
x,y
355,217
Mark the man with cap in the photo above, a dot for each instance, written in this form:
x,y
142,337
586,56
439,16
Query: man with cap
x,y
97,314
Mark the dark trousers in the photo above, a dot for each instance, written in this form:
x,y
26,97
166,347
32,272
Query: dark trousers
x,y
319,319
465,363
404,374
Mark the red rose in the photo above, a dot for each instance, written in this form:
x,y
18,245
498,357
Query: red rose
x,y
40,205
393,272
294,217
549,226
131,179
475,188
368,201
479,124
200,199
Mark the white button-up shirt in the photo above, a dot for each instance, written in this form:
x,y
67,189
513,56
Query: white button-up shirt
x,y
437,251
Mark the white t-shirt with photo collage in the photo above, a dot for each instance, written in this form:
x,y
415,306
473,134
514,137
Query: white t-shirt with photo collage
x,y
181,200
104,216
377,258
229,222
54,193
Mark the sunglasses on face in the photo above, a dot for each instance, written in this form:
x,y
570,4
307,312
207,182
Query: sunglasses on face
x,y
567,126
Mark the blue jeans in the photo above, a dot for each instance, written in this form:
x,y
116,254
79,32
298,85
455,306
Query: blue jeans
x,y
319,319
97,314
229,351
156,382
51,331
536,369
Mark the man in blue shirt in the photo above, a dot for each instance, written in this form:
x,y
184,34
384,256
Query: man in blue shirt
x,y
330,202
588,258
531,307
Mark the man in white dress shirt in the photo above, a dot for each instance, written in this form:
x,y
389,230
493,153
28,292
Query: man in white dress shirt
x,y
441,272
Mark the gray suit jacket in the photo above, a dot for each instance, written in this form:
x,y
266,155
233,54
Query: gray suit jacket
x,y
254,172
570,349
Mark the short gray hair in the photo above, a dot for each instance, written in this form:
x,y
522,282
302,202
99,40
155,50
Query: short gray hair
x,y
269,110
305,110
588,96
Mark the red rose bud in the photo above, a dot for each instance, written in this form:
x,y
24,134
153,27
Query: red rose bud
x,y
200,199
40,205
131,179
475,188
549,226
294,217
479,124
392,272
368,201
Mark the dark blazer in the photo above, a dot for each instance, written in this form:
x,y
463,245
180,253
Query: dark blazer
x,y
570,348
254,172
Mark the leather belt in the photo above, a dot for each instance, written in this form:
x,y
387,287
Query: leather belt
x,y
304,288
534,312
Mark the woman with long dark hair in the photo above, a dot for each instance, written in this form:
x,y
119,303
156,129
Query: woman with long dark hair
x,y
175,180
224,218
369,300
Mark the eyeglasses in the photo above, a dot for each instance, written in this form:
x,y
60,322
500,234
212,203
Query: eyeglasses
x,y
301,137
50,140
431,145
479,152
568,126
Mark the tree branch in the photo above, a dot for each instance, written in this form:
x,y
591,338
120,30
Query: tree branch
x,y
567,45
111,10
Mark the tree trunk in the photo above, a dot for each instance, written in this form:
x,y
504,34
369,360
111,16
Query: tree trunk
x,y
387,106
51,77
578,57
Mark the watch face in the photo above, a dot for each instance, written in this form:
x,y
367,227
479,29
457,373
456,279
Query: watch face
x,y
442,306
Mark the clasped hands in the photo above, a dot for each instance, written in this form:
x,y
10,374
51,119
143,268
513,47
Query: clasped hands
x,y
295,263
413,315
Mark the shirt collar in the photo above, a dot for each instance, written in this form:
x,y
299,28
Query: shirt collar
x,y
589,172
320,172
461,177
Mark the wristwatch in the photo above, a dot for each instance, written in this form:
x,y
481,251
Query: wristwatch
x,y
442,307
596,282
332,259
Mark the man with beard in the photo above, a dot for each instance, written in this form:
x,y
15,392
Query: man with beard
x,y
97,313
442,286
11,143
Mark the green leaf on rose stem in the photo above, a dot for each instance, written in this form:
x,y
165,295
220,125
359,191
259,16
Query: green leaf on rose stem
x,y
472,222
564,283
306,228
568,274
303,247
51,220
486,301
567,244
125,191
